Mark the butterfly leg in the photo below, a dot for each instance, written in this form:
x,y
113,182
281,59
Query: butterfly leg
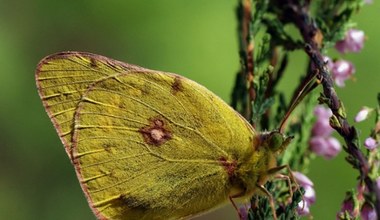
x,y
235,206
289,178
265,192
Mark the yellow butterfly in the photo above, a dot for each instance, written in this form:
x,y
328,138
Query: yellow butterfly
x,y
151,145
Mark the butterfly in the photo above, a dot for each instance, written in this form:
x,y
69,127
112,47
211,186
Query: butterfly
x,y
148,144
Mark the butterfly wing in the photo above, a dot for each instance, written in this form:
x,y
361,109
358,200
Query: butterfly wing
x,y
153,145
61,80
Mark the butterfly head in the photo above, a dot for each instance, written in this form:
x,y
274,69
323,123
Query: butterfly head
x,y
275,141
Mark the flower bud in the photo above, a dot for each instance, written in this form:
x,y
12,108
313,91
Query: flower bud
x,y
347,206
370,143
362,114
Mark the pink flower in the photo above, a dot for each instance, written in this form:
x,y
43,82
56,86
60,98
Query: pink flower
x,y
342,71
352,42
322,113
303,208
368,1
306,183
362,114
327,147
348,205
321,128
322,125
321,142
368,212
302,179
309,195
370,143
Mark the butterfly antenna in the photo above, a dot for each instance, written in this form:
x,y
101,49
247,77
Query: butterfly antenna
x,y
308,84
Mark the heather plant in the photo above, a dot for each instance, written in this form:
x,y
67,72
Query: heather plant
x,y
269,31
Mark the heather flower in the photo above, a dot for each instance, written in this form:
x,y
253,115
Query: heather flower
x,y
322,128
321,142
322,125
309,196
368,212
341,71
352,42
303,208
302,179
327,147
347,206
306,183
370,143
363,114
322,113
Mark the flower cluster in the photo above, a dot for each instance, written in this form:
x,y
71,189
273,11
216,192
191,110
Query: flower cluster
x,y
321,141
341,70
355,205
308,197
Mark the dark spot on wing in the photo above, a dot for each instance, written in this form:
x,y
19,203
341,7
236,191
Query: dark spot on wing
x,y
177,85
156,133
93,62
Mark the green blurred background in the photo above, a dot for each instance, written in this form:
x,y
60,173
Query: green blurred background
x,y
194,38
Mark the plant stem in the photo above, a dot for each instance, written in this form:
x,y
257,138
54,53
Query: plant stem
x,y
246,52
312,36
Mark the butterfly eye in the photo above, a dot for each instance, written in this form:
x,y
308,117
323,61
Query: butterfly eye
x,y
275,141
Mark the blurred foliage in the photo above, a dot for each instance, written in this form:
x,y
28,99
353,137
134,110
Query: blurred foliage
x,y
196,39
